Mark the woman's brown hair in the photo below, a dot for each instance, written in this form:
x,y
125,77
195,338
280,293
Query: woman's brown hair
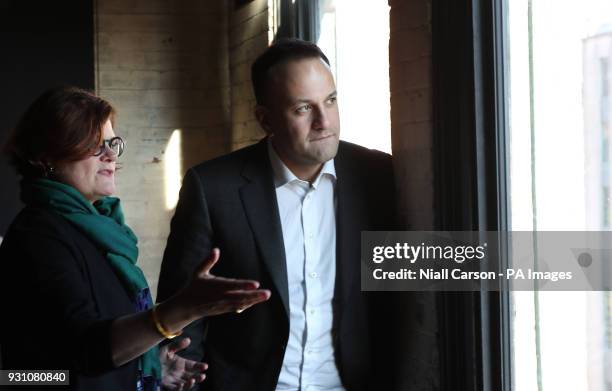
x,y
63,124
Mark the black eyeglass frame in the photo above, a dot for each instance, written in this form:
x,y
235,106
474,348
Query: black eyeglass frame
x,y
107,145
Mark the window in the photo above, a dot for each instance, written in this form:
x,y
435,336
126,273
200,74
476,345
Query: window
x,y
605,210
355,37
559,170
521,141
604,107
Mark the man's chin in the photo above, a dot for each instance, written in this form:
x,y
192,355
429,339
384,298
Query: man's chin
x,y
325,155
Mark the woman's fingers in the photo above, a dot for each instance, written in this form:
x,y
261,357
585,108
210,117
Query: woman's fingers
x,y
185,375
205,267
254,299
218,295
232,284
195,366
237,301
190,378
178,345
244,297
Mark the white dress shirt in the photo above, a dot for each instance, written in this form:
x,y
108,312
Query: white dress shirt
x,y
308,218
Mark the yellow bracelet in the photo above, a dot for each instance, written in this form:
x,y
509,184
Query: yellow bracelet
x,y
162,330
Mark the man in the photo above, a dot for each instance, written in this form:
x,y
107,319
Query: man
x,y
287,212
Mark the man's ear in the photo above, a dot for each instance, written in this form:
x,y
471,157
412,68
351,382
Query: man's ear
x,y
261,114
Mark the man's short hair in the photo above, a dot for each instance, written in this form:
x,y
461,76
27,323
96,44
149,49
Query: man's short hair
x,y
281,51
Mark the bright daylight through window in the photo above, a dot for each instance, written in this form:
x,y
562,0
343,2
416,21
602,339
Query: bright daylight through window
x,y
360,62
560,112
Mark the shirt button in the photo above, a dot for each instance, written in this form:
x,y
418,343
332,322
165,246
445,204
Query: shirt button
x,y
312,312
313,274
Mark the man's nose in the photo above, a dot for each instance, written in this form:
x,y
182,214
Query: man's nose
x,y
321,120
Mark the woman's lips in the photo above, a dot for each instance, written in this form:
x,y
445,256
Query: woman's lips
x,y
106,172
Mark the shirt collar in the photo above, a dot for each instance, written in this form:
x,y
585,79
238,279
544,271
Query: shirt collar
x,y
283,175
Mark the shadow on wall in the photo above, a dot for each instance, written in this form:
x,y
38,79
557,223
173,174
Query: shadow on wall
x,y
42,47
205,121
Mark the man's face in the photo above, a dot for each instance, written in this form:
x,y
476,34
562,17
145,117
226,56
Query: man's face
x,y
301,114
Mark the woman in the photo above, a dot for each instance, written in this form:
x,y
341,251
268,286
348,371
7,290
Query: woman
x,y
71,293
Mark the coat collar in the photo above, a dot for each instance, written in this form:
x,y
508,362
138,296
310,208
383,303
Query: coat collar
x,y
261,207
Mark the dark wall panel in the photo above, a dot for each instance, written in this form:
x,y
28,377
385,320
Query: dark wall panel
x,y
42,44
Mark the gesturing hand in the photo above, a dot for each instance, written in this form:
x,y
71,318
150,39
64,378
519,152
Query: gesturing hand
x,y
210,295
179,373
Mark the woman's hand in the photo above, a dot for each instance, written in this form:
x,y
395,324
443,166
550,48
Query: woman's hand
x,y
208,295
179,373
205,295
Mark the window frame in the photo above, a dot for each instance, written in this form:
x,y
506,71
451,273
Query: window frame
x,y
471,181
298,19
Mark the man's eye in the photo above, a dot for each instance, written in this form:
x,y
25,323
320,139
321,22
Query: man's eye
x,y
303,109
332,100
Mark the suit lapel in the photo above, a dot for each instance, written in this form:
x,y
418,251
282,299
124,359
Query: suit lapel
x,y
261,208
349,222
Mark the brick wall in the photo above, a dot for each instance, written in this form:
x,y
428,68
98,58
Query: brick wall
x,y
411,108
411,127
164,65
248,38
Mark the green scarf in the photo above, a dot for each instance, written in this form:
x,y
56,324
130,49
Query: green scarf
x,y
102,223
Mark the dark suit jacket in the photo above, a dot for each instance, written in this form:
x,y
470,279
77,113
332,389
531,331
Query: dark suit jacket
x,y
230,203
58,296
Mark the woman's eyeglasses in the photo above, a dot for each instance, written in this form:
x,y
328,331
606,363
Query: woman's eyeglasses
x,y
114,145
